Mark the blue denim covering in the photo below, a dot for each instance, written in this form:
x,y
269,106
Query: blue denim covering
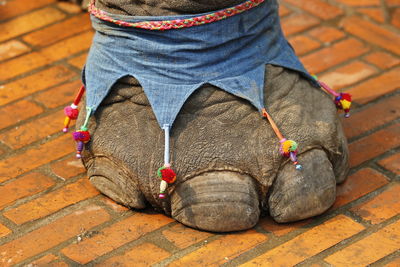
x,y
170,65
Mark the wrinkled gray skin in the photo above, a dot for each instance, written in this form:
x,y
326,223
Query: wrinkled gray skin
x,y
225,154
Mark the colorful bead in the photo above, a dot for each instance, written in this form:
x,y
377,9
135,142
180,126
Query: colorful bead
x,y
80,135
288,146
343,101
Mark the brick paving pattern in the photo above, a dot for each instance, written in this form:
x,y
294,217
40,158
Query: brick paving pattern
x,y
50,215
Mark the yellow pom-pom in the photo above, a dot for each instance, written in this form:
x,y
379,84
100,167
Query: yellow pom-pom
x,y
288,146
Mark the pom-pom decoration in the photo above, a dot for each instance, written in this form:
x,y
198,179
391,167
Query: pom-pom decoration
x,y
343,102
167,176
288,148
81,137
71,112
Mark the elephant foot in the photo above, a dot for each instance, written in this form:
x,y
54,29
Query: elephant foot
x,y
111,179
217,201
225,154
298,195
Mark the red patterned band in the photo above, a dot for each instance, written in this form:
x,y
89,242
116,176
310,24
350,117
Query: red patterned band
x,y
178,23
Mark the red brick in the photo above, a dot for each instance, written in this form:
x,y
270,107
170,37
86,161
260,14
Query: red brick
x,y
391,163
360,2
297,22
52,202
69,7
372,117
375,13
375,144
283,11
36,156
382,59
393,3
23,64
382,207
144,255
18,7
222,250
60,95
318,8
78,61
334,55
376,87
115,236
308,244
33,131
59,31
4,231
348,74
52,234
372,33
29,22
369,249
183,236
114,205
303,44
68,168
16,112
70,46
27,185
394,263
11,49
280,229
357,185
50,260
2,151
46,56
396,18
34,83
326,34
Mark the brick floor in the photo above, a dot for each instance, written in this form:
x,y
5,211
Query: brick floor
x,y
50,215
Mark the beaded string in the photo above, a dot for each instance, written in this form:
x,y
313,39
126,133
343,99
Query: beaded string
x,y
288,148
342,100
165,173
82,136
177,23
71,112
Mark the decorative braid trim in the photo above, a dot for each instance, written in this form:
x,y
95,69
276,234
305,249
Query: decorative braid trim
x,y
178,23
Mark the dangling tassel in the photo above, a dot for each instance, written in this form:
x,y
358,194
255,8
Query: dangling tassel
x,y
82,136
342,100
165,173
288,148
72,111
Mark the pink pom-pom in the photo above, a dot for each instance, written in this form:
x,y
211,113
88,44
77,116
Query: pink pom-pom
x,y
71,113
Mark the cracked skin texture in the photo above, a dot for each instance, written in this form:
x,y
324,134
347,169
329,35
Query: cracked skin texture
x,y
225,154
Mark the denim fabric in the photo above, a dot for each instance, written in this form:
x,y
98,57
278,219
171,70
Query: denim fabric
x,y
170,65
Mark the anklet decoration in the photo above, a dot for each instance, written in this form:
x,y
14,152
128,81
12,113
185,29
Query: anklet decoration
x,y
288,148
82,136
165,173
71,112
177,23
342,100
